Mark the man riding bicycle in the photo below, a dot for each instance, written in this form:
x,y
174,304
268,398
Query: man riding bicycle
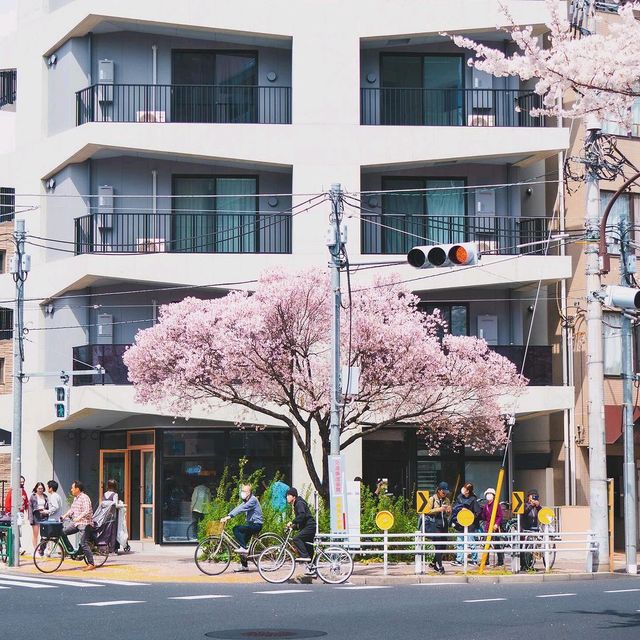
x,y
304,523
81,514
243,533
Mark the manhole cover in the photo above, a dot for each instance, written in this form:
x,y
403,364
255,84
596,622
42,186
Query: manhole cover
x,y
266,633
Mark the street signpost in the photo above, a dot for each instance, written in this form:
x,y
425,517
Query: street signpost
x,y
422,502
545,517
384,522
517,503
338,494
465,519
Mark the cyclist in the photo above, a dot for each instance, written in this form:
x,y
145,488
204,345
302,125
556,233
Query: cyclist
x,y
242,533
304,523
81,514
532,508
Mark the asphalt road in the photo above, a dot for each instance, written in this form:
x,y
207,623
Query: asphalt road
x,y
88,610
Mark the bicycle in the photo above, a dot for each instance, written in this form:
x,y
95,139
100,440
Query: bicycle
x,y
55,545
333,565
213,555
532,545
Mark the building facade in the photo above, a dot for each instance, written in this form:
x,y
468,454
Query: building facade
x,y
168,149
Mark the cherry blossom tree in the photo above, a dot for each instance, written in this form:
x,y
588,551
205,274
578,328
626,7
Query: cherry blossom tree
x,y
268,354
600,69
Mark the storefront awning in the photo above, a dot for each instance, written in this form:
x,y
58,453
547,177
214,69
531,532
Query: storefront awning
x,y
613,421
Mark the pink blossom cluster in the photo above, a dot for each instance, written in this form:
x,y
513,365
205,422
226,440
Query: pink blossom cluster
x,y
598,73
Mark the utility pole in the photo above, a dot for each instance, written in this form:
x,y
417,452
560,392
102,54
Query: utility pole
x,y
595,360
20,264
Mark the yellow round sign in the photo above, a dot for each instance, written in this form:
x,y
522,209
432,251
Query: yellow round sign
x,y
384,520
465,517
546,516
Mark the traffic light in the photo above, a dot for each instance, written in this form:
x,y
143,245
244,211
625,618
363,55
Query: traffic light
x,y
622,297
62,402
443,255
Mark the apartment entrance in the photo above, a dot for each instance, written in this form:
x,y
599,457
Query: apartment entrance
x,y
133,468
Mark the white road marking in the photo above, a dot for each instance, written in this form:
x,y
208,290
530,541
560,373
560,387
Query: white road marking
x,y
28,585
69,583
5,587
435,584
621,590
486,600
281,591
122,583
109,604
197,597
556,595
365,586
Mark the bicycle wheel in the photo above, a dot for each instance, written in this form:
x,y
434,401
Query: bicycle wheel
x,y
3,548
213,556
552,557
527,557
100,555
259,544
334,565
276,564
48,555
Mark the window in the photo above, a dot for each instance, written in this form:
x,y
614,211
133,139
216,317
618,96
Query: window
x,y
1,370
621,211
456,316
6,324
616,129
612,343
7,203
3,261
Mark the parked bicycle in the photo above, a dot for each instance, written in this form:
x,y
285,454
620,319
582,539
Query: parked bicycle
x,y
55,546
214,554
333,564
532,543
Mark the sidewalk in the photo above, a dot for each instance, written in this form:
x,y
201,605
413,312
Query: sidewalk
x,y
177,565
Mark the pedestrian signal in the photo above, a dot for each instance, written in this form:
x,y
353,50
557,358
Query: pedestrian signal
x,y
61,403
445,255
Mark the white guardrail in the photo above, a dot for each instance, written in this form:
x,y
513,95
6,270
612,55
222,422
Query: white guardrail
x,y
521,549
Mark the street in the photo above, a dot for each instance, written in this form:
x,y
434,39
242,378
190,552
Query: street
x,y
81,608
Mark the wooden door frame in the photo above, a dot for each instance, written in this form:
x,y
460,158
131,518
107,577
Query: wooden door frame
x,y
145,505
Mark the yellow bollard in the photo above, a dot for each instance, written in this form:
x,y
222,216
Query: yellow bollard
x,y
494,511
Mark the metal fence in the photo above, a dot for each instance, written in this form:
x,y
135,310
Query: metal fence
x,y
177,232
8,86
183,103
500,235
449,107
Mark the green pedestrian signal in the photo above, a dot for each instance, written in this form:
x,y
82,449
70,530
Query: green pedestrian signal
x,y
61,403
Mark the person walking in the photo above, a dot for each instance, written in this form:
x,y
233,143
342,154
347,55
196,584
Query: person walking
x,y
243,532
81,515
304,523
38,505
54,510
485,516
466,499
200,497
437,521
23,510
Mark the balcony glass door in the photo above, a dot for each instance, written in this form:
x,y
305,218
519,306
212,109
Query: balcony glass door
x,y
442,81
445,208
401,94
193,228
237,79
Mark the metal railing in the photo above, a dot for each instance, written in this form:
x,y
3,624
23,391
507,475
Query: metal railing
x,y
179,232
183,103
537,366
8,86
397,234
108,356
449,107
6,323
7,204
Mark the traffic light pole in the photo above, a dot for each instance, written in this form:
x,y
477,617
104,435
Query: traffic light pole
x,y
19,275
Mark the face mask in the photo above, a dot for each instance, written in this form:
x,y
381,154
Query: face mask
x,y
244,495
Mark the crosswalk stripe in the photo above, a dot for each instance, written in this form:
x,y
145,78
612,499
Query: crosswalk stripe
x,y
621,590
110,604
5,587
364,586
56,581
281,591
203,597
122,583
486,600
556,595
435,584
28,585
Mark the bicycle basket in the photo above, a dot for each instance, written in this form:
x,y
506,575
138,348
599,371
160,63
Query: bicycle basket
x,y
215,528
50,529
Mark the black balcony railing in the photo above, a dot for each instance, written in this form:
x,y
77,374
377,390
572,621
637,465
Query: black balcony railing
x,y
449,107
183,103
397,234
108,356
8,84
179,232
7,204
537,366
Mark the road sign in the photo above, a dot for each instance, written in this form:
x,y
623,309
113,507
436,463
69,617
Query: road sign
x,y
384,520
422,501
517,503
546,516
465,517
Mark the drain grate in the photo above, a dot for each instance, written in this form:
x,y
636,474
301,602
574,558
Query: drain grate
x,y
292,634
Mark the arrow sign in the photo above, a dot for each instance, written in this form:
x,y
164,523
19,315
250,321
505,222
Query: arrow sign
x,y
517,503
422,501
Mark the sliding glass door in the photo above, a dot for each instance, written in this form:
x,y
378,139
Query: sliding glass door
x,y
444,96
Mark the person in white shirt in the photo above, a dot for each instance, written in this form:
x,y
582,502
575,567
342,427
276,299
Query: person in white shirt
x,y
111,493
55,501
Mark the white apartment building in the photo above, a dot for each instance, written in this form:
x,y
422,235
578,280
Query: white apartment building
x,y
165,145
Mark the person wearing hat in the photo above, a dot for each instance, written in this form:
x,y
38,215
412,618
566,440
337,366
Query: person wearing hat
x,y
438,512
529,519
304,523
485,516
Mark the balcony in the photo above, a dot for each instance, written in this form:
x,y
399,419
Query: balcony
x,y
108,356
538,364
449,107
175,232
497,235
155,103
8,84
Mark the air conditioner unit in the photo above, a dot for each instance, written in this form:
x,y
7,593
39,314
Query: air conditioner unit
x,y
151,116
150,245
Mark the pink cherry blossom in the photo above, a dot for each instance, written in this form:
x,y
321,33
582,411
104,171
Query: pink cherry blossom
x,y
269,353
596,74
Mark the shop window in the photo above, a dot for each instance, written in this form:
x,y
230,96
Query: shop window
x,y
141,438
113,440
455,315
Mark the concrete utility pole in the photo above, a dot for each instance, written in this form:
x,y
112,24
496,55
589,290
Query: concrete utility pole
x,y
595,360
19,269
